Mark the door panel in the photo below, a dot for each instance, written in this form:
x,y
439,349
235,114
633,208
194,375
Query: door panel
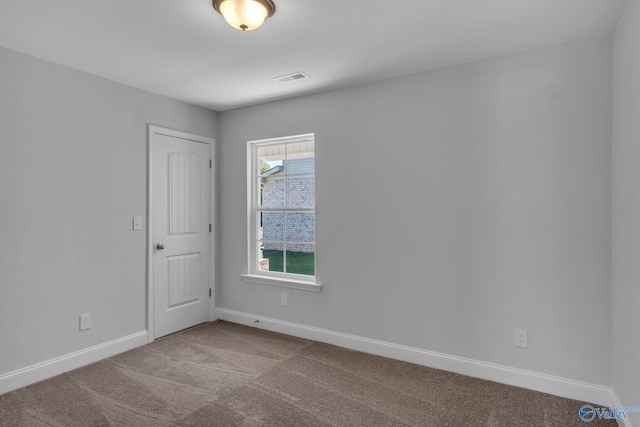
x,y
184,193
183,279
181,192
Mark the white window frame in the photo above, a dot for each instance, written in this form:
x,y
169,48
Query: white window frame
x,y
254,275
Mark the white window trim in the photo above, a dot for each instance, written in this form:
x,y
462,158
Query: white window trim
x,y
285,280
282,282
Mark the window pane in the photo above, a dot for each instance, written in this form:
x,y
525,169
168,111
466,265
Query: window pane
x,y
271,175
272,255
300,168
301,262
272,191
300,158
272,226
301,191
300,228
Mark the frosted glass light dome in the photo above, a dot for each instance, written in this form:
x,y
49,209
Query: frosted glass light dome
x,y
245,15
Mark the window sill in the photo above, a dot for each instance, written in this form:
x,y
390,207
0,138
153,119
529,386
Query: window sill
x,y
282,282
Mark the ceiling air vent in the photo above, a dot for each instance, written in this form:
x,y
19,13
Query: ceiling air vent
x,y
292,77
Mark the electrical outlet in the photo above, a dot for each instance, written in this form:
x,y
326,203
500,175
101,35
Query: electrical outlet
x,y
85,321
283,300
521,338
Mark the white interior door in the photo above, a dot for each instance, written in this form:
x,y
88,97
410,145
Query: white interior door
x,y
180,232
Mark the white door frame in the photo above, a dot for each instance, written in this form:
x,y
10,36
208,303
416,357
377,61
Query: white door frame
x,y
152,132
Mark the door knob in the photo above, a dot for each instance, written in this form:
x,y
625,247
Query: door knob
x,y
160,246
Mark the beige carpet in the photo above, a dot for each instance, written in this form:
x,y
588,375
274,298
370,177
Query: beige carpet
x,y
223,374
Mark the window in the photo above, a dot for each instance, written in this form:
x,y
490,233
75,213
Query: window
x,y
282,243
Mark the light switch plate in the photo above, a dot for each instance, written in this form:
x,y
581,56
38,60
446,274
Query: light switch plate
x,y
137,223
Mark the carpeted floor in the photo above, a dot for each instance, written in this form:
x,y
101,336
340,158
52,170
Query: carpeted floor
x,y
223,374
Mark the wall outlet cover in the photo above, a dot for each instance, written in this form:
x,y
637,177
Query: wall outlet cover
x,y
85,321
521,339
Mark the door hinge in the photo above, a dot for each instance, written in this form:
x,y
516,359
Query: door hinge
x,y
209,292
210,163
209,228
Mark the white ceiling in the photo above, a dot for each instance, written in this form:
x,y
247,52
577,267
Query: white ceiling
x,y
185,50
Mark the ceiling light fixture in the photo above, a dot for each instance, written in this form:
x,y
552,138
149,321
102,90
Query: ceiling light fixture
x,y
245,14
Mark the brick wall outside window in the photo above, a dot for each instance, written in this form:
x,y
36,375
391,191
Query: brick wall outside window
x,y
300,225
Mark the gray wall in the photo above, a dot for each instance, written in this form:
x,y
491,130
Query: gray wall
x,y
452,207
73,153
626,207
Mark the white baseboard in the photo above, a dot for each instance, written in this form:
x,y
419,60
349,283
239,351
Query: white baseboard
x,y
616,403
50,368
558,386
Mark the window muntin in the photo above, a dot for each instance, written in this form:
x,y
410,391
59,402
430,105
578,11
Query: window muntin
x,y
282,207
